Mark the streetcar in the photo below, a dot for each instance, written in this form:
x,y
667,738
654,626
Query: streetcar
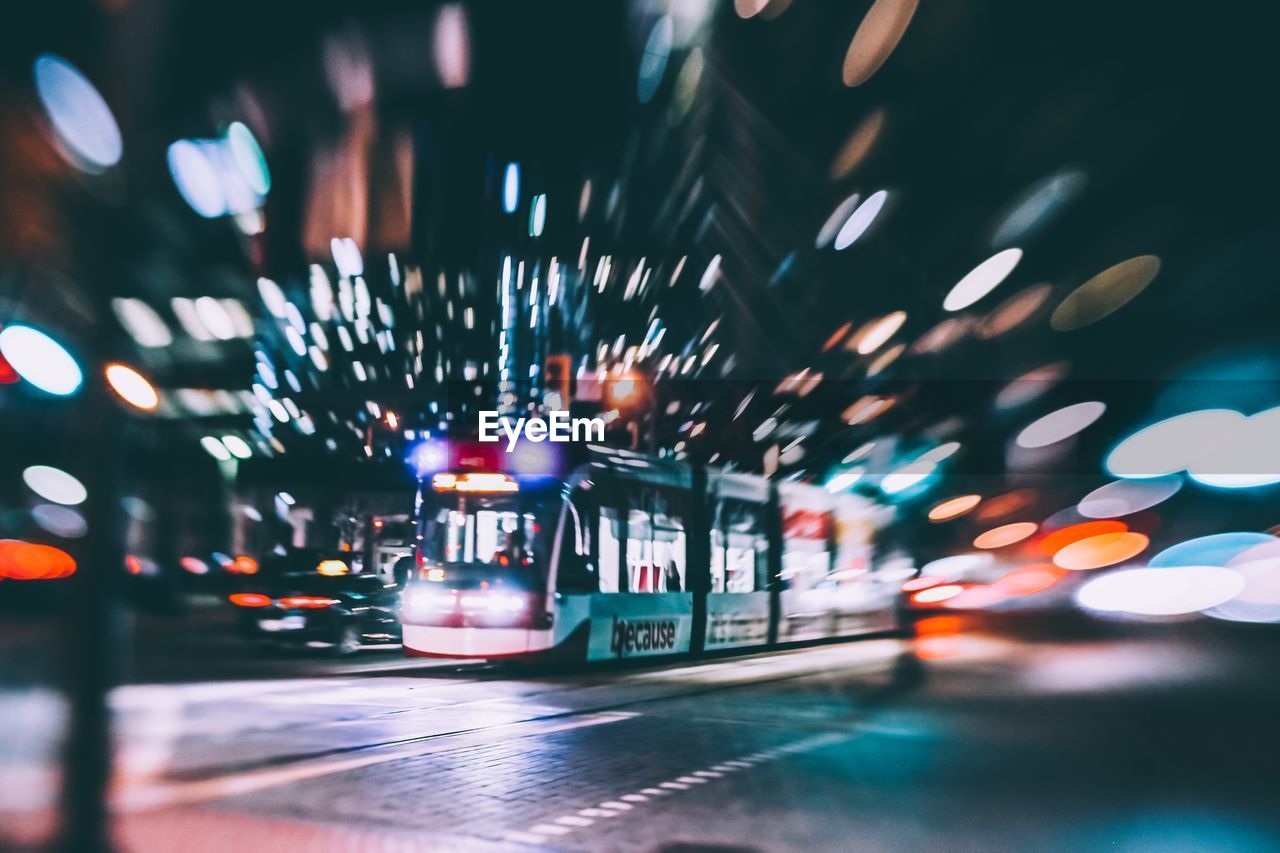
x,y
622,555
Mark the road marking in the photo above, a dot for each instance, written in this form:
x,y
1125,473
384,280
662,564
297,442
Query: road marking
x,y
550,829
574,820
537,834
525,837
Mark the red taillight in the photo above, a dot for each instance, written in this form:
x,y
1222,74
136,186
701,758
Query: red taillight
x,y
306,602
249,599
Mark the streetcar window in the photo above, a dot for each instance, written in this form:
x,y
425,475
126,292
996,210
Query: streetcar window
x,y
485,531
739,547
485,536
655,542
640,563
576,571
806,547
609,539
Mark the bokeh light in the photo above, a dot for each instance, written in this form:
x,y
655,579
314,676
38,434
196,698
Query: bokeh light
x,y
1171,445
1105,293
1244,455
1216,549
937,594
28,561
1006,504
40,360
132,387
511,188
54,484
248,157
451,46
81,120
860,220
196,177
653,61
1125,497
1101,550
143,323
1029,580
876,333
1060,425
954,507
1005,535
982,279
1035,208
1055,541
215,448
1161,592
1030,385
836,220
856,148
879,33
59,520
1014,311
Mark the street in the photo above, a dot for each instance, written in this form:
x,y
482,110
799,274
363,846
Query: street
x,y
1136,743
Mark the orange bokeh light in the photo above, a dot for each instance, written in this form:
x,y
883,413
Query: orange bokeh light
x,y
976,597
935,625
922,582
837,336
1029,580
954,507
243,565
1096,552
1008,534
1061,538
27,561
936,594
1005,504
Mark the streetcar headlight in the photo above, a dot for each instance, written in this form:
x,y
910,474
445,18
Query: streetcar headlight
x,y
493,602
422,600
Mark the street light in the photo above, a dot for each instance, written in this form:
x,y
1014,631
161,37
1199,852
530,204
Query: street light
x,y
625,392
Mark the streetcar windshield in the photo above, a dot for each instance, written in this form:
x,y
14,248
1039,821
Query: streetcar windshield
x,y
498,536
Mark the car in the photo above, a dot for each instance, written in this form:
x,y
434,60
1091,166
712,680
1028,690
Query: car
x,y
310,599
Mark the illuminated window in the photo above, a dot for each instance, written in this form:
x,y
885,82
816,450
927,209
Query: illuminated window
x,y
739,548
655,543
610,534
806,546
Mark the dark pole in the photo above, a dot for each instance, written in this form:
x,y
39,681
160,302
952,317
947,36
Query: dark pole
x,y
91,631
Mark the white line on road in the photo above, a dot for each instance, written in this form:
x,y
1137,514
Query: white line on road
x,y
562,825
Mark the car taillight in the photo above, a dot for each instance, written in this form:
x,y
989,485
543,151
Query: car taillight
x,y
249,599
307,602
